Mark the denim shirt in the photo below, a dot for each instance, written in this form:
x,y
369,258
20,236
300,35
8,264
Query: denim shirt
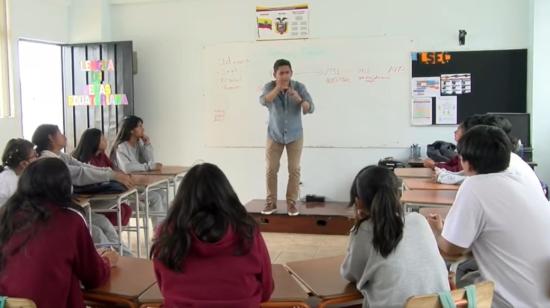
x,y
285,119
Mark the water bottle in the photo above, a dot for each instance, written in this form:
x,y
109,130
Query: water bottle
x,y
521,151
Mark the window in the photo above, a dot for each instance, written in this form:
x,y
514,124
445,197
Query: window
x,y
41,85
6,106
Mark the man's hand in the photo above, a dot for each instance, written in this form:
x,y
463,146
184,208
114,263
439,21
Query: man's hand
x,y
295,96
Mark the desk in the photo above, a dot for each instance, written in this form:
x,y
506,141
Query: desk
x,y
414,172
85,204
322,277
106,203
147,183
426,184
129,279
287,292
427,198
174,172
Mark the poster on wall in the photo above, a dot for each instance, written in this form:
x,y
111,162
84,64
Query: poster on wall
x,y
445,110
426,86
456,84
421,111
282,23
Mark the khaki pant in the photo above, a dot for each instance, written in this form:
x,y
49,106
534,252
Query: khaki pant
x,y
273,153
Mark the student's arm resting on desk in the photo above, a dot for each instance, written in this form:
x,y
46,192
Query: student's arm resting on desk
x,y
354,264
463,224
127,163
447,248
147,152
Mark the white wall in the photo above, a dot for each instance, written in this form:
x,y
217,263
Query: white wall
x,y
169,36
541,88
45,20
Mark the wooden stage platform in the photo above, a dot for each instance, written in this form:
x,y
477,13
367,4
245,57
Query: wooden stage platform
x,y
334,218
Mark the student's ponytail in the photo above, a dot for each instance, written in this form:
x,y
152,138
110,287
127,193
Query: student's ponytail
x,y
387,220
379,192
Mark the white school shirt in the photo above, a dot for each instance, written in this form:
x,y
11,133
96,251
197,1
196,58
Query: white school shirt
x,y
505,219
8,184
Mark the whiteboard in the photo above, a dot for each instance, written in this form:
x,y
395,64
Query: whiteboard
x,y
360,88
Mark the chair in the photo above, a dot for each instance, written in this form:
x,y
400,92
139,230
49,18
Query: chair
x,y
483,296
12,302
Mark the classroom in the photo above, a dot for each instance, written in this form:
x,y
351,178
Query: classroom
x,y
408,126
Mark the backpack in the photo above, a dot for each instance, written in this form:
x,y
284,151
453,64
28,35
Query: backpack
x,y
441,151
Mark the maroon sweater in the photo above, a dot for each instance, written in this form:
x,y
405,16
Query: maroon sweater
x,y
453,165
102,160
50,267
214,277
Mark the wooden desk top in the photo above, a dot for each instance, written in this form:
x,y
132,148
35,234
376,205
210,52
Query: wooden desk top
x,y
81,200
322,277
438,197
166,170
129,279
286,289
306,208
414,172
427,184
148,179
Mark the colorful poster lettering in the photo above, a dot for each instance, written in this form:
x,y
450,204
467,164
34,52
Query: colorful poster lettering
x,y
97,93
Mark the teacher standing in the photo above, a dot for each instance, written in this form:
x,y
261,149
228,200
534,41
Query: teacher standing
x,y
286,100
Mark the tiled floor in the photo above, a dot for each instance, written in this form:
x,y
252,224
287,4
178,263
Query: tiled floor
x,y
287,247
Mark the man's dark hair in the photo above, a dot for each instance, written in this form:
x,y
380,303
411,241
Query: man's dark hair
x,y
281,62
486,148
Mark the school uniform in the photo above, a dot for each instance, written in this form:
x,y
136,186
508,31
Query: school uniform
x,y
453,165
58,257
101,160
133,159
140,158
8,184
415,267
214,276
82,173
504,219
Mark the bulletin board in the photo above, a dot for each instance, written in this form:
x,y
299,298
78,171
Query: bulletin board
x,y
447,87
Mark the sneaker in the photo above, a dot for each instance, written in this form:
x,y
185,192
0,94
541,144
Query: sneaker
x,y
292,210
269,209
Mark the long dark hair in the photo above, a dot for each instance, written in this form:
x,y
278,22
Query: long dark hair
x,y
88,145
44,181
207,206
16,151
41,136
379,190
128,124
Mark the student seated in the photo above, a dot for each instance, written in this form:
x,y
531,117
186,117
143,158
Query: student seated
x,y
503,218
91,150
391,256
46,251
517,164
18,154
49,143
133,152
209,251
